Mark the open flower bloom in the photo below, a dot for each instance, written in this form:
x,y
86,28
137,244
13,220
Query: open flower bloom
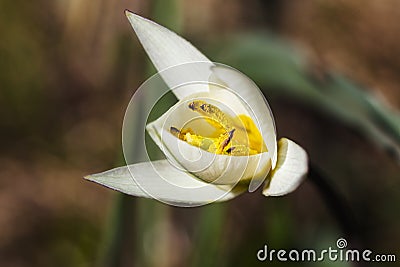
x,y
219,138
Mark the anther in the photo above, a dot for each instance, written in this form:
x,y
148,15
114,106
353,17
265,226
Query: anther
x,y
191,105
229,150
174,131
227,140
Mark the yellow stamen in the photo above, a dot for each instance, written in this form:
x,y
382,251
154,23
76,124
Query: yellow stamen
x,y
236,136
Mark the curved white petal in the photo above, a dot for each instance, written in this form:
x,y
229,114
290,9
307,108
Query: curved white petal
x,y
290,171
248,91
210,167
167,49
161,181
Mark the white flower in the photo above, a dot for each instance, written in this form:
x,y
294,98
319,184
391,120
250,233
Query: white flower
x,y
219,139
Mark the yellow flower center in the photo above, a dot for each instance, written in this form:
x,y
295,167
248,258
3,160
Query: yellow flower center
x,y
236,136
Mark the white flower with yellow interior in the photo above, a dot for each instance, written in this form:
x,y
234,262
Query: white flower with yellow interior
x,y
219,139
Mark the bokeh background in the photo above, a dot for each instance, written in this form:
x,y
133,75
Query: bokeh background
x,y
68,69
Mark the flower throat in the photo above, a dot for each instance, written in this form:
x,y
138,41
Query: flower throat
x,y
236,136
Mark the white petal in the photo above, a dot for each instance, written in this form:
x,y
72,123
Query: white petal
x,y
215,168
161,181
167,49
210,167
291,169
248,91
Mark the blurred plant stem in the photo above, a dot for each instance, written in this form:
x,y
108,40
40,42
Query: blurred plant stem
x,y
208,236
115,244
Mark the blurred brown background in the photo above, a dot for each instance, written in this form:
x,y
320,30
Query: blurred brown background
x,y
67,72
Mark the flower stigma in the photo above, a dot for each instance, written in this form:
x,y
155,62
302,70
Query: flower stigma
x,y
234,136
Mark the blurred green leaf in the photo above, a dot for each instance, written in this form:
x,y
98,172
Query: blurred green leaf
x,y
282,70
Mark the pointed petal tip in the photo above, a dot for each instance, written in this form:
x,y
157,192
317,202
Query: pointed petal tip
x,y
90,178
134,18
127,12
165,48
130,14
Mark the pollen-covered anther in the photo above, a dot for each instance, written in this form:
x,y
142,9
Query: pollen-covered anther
x,y
236,136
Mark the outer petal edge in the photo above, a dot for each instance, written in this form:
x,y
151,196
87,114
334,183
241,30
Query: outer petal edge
x,y
166,49
290,171
161,181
